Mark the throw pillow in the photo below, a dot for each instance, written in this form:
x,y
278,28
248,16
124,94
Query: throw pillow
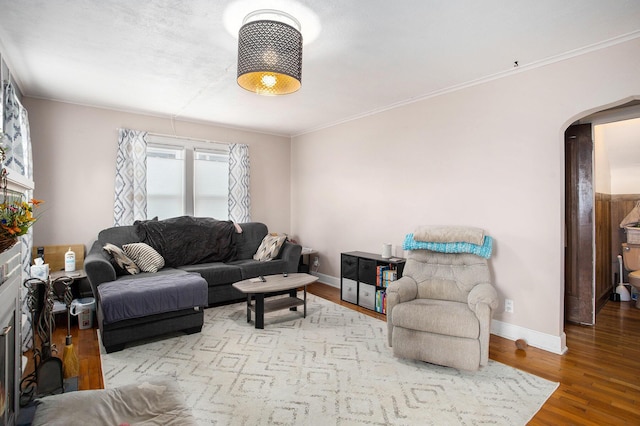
x,y
270,247
122,264
145,256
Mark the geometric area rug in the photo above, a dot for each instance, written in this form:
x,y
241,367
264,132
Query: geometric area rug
x,y
331,368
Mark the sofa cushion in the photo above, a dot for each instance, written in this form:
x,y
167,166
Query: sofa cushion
x,y
249,240
216,273
252,268
163,271
147,259
437,316
120,261
269,247
149,295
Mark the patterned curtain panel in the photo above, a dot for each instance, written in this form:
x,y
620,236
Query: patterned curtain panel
x,y
17,144
239,199
131,178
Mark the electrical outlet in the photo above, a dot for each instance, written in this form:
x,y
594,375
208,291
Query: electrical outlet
x,y
316,261
508,305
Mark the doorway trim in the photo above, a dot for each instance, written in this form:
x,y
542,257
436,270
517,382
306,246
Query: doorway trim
x,y
624,109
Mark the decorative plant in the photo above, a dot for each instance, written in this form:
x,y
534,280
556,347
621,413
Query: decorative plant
x,y
16,216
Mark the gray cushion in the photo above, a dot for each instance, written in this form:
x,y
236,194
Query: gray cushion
x,y
437,316
163,271
152,294
253,268
217,273
249,240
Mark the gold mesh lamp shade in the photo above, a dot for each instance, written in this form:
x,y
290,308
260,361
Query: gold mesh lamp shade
x,y
270,53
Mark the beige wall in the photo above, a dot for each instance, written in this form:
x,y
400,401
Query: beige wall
x,y
601,166
489,156
615,134
74,152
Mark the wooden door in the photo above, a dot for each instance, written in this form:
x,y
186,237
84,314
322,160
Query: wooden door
x,y
579,196
603,257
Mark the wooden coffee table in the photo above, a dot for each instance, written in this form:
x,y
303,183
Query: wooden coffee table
x,y
274,284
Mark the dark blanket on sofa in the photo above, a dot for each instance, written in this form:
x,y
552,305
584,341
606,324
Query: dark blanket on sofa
x,y
188,240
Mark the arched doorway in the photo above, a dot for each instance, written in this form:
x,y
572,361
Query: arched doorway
x,y
591,217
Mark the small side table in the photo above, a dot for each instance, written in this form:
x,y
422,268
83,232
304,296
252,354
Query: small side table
x,y
305,259
81,285
76,275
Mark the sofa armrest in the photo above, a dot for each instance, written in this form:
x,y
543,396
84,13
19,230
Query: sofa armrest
x,y
291,254
98,267
403,290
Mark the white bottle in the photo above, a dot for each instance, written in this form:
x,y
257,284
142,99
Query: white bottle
x,y
69,261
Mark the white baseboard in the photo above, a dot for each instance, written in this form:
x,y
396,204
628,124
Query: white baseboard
x,y
327,279
547,342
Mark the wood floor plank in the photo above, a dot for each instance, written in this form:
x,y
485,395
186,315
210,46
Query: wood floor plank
x,y
599,375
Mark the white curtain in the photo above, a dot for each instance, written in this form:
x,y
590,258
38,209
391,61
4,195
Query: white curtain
x,y
239,200
17,144
17,141
131,178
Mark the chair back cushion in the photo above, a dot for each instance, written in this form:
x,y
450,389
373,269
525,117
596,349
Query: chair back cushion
x,y
446,276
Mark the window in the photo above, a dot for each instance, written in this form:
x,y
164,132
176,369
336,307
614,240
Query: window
x,y
165,181
186,177
211,199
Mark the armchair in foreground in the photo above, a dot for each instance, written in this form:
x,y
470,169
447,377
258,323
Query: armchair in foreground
x,y
440,310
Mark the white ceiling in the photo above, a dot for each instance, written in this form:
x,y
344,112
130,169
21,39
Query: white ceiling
x,y
178,59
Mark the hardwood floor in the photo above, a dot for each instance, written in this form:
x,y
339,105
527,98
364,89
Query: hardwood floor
x,y
599,376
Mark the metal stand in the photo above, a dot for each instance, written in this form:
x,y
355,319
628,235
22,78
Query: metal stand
x,y
46,378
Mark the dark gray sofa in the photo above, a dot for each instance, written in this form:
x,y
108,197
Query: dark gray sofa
x,y
219,276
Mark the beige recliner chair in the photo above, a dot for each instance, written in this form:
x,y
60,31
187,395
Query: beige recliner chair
x,y
440,310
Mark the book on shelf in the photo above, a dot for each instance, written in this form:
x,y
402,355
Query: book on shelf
x,y
381,301
379,274
388,276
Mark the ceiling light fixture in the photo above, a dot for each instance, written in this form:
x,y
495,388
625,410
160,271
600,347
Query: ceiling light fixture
x,y
270,53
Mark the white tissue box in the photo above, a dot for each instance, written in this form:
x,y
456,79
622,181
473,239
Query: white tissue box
x,y
40,271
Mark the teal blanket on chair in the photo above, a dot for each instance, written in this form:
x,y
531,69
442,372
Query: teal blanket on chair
x,y
460,247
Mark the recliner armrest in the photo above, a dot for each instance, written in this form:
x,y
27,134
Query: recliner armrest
x,y
400,291
405,288
483,300
483,293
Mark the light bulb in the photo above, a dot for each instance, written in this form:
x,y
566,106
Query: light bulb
x,y
268,80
